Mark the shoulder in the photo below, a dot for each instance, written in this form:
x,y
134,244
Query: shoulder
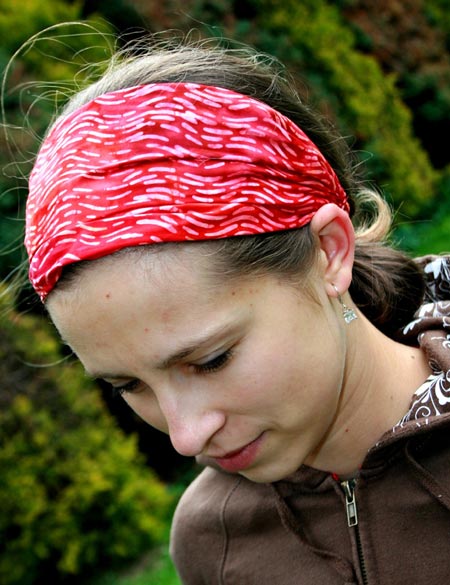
x,y
203,501
197,534
215,505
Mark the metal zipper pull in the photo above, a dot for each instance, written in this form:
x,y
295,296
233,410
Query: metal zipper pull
x,y
350,501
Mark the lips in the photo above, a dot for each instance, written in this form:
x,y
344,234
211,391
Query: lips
x,y
240,459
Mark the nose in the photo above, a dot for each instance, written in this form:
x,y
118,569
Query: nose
x,y
191,426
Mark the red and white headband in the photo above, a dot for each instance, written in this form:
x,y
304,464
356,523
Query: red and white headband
x,y
168,162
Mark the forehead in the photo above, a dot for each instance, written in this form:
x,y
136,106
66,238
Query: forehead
x,y
161,285
125,311
131,271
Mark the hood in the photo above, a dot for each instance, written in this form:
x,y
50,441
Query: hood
x,y
431,330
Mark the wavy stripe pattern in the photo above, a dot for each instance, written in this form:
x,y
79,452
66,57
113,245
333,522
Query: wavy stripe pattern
x,y
168,162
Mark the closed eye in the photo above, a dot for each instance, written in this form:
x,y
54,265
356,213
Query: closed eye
x,y
214,364
131,386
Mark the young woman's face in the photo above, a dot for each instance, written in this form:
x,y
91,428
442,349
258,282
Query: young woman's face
x,y
247,374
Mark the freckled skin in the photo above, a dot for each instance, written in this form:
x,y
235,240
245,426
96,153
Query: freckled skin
x,y
317,390
269,386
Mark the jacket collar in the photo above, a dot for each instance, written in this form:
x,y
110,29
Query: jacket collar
x,y
430,404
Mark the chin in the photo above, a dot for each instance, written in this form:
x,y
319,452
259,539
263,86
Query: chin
x,y
267,474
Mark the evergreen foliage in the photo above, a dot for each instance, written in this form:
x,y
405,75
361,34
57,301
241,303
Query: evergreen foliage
x,y
381,70
40,67
312,37
76,494
410,40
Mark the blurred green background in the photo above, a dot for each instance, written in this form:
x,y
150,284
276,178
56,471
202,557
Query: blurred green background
x,y
87,490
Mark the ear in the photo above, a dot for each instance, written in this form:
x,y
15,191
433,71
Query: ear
x,y
333,228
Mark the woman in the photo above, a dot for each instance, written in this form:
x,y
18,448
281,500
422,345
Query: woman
x,y
189,228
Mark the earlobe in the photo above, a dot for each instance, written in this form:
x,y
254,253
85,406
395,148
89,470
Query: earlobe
x,y
334,231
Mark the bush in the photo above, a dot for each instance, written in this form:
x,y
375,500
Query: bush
x,y
75,492
366,102
429,236
44,57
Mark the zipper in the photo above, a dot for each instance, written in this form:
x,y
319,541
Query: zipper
x,y
350,501
348,487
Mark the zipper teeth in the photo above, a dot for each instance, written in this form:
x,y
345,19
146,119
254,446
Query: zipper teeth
x,y
362,562
352,519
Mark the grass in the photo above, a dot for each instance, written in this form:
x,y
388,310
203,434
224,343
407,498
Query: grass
x,y
156,569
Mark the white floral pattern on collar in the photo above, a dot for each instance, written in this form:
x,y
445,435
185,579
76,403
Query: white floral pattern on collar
x,y
431,327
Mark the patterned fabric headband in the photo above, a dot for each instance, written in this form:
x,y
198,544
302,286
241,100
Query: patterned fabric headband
x,y
168,162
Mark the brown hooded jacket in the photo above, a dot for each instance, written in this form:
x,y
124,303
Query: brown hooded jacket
x,y
388,526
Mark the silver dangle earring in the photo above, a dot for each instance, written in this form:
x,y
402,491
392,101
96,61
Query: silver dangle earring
x,y
347,312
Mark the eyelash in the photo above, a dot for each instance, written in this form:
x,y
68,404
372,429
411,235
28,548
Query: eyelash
x,y
215,364
130,386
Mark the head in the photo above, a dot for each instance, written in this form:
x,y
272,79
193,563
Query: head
x,y
218,361
240,311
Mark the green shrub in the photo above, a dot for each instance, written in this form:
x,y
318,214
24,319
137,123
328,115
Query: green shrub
x,y
313,38
431,235
75,493
44,56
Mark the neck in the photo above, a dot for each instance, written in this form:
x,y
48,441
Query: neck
x,y
380,378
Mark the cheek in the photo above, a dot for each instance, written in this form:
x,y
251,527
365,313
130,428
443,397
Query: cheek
x,y
303,381
146,406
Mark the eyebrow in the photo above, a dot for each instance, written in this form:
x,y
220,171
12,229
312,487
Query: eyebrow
x,y
191,347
